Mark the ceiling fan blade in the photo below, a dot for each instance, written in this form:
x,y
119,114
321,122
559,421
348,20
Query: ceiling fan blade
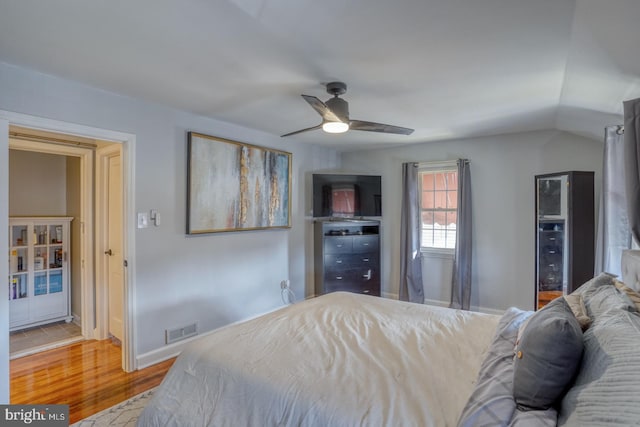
x,y
302,130
322,109
378,127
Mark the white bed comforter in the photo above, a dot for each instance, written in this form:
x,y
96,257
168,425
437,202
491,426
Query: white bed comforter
x,y
337,360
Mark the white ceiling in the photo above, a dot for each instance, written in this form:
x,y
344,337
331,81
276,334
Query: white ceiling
x,y
448,68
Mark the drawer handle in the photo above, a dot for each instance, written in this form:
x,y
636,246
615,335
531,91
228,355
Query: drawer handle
x,y
338,277
339,261
366,291
367,275
552,238
365,259
339,246
365,244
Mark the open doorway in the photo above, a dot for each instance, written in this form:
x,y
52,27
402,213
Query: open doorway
x,y
45,278
93,300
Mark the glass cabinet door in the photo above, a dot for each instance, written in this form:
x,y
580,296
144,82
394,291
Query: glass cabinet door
x,y
18,261
552,224
38,279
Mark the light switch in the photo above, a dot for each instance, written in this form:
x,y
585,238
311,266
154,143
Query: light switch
x,y
143,220
155,217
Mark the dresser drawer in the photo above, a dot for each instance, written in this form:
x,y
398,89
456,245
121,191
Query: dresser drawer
x,y
365,243
368,290
356,275
354,280
338,244
334,261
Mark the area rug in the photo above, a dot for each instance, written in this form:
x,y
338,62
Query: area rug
x,y
124,414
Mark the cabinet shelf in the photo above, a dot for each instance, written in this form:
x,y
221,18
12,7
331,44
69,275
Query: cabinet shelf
x,y
38,271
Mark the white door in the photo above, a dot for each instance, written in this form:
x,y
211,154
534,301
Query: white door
x,y
114,243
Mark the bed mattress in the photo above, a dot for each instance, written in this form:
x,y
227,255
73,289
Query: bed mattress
x,y
337,360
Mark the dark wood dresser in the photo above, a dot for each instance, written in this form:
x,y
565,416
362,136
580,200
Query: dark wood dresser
x,y
347,256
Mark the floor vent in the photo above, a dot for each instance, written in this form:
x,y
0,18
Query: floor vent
x,y
173,335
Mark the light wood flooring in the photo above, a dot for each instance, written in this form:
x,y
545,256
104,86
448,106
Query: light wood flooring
x,y
32,340
87,376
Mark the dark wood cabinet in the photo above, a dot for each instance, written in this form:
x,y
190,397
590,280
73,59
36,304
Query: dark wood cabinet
x,y
347,256
565,233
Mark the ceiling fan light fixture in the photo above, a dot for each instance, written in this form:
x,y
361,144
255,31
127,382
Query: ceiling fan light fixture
x,y
335,127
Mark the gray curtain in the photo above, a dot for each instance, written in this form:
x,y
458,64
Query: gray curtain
x,y
461,282
632,162
410,256
613,227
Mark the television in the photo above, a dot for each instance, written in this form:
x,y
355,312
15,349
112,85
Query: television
x,y
347,196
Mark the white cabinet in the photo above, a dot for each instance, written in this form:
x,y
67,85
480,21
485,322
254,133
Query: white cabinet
x,y
38,271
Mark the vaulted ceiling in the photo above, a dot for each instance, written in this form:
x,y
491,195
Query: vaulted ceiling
x,y
447,68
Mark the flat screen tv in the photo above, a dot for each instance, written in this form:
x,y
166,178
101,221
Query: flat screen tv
x,y
347,196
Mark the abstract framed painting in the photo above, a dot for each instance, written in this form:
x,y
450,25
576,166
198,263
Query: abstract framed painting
x,y
233,186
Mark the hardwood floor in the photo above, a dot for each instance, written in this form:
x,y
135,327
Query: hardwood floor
x,y
545,297
87,376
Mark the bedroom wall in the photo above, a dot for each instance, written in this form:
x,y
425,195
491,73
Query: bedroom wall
x,y
502,170
210,279
37,184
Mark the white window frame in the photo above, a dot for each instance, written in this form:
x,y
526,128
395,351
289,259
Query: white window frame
x,y
432,167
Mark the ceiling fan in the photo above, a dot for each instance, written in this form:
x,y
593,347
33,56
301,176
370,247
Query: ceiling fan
x,y
335,115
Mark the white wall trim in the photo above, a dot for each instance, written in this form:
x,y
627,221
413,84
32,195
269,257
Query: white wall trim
x,y
4,266
436,302
172,350
390,295
128,162
86,216
485,310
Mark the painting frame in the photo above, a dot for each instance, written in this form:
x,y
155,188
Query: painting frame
x,y
236,186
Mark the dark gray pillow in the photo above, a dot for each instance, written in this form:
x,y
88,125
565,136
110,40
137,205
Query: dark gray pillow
x,y
547,356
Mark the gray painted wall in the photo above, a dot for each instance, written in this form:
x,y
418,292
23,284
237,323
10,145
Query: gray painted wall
x,y
210,279
37,184
217,279
502,170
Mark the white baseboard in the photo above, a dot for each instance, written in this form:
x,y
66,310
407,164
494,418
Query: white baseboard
x,y
76,319
172,350
488,310
473,308
436,302
164,353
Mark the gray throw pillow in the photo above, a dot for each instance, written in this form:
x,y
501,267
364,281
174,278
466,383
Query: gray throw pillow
x,y
547,356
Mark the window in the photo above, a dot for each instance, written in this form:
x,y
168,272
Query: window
x,y
438,208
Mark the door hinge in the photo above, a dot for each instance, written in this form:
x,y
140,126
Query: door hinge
x,y
125,263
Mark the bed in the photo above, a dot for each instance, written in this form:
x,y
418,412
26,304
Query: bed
x,y
346,359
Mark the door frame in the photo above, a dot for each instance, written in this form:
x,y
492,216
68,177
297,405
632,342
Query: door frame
x,y
127,142
86,218
102,187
